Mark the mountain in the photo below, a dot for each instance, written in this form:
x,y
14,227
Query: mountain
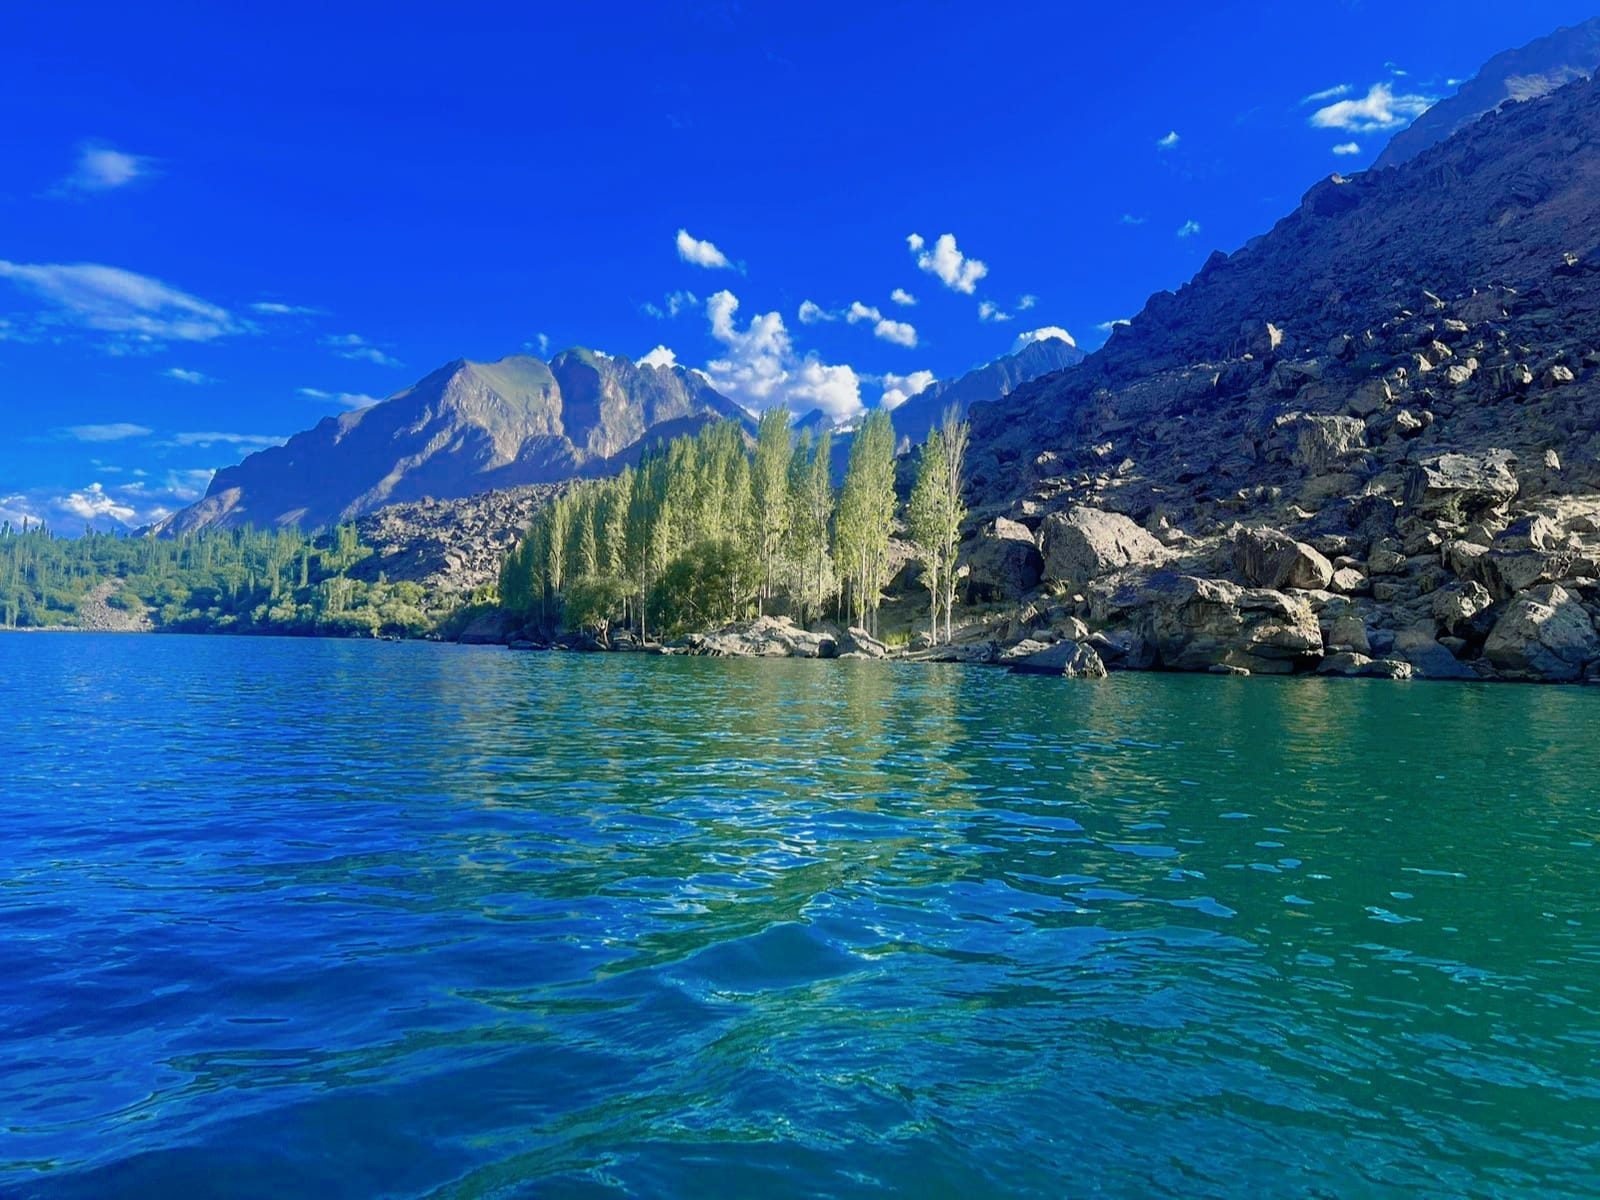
x,y
993,381
1533,70
1366,442
467,428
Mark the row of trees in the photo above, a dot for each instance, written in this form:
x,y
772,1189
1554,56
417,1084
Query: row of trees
x,y
709,529
244,580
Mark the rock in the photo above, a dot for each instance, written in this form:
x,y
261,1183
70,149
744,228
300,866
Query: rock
x,y
1454,607
1084,543
1405,424
1123,649
1359,666
1418,647
1072,660
1532,532
1372,396
1259,339
858,643
1386,558
1226,669
1347,631
1458,487
1321,442
1192,623
1558,376
765,637
1003,561
1348,581
1269,558
1544,635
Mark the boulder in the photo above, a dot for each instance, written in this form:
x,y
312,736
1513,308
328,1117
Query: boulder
x,y
858,643
1460,487
765,637
1455,607
1269,558
1373,395
1084,543
1348,581
1544,635
1359,666
1072,660
1418,646
1321,442
1003,561
1192,624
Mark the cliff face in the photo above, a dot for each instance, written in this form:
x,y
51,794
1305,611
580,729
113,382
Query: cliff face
x,y
465,429
1400,380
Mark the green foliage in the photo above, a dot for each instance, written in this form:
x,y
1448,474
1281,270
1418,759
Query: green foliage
x,y
866,516
244,581
702,532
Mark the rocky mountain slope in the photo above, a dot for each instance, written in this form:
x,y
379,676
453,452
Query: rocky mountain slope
x,y
1523,74
466,429
991,382
1367,442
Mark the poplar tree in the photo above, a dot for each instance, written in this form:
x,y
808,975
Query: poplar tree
x,y
770,489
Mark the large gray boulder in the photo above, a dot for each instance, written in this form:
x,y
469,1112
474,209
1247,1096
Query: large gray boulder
x,y
765,637
1084,543
1071,660
1194,624
1272,559
1003,561
1321,442
1460,487
1544,635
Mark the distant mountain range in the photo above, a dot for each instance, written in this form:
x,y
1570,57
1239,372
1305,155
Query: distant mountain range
x,y
471,427
1523,74
467,428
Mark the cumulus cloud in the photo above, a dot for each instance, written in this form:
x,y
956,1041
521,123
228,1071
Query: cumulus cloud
x,y
1347,148
812,313
659,357
117,431
1188,229
1169,141
898,332
1380,109
954,269
701,253
185,376
348,399
93,503
760,369
989,311
1042,334
1108,326
897,389
100,168
1027,302
903,298
1326,94
111,300
356,348
1130,219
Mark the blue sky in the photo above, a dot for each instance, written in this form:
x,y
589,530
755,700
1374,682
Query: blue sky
x,y
218,227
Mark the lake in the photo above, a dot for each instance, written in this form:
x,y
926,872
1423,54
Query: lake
x,y
359,919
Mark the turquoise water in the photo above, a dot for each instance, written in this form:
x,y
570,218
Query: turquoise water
x,y
336,919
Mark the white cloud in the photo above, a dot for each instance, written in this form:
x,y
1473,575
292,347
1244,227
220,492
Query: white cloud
x,y
256,441
1130,219
761,370
989,311
544,345
659,357
701,254
1326,94
1188,229
1347,148
111,300
116,432
899,332
897,389
1027,302
903,298
185,376
1108,326
958,272
1378,110
356,348
348,399
92,503
811,313
1042,334
1169,141
102,169
273,308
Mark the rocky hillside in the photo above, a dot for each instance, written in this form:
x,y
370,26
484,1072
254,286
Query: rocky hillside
x,y
1523,74
466,429
994,381
1367,442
